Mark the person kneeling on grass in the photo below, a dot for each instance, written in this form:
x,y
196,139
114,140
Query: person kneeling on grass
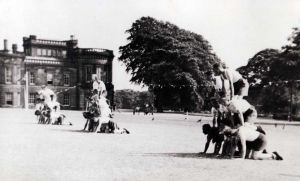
x,y
214,136
38,109
256,142
106,125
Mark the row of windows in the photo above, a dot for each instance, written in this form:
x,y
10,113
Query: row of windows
x,y
51,52
66,99
32,98
66,78
89,73
9,98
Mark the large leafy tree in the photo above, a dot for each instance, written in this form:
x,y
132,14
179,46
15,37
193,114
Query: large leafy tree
x,y
170,60
257,72
274,75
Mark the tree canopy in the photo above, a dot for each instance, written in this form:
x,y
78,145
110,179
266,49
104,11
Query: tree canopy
x,y
170,60
273,74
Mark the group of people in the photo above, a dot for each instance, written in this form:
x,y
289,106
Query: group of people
x,y
233,126
146,108
98,112
47,108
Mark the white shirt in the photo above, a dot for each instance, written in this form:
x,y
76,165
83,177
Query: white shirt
x,y
234,76
238,104
104,110
52,104
45,93
39,106
99,85
218,83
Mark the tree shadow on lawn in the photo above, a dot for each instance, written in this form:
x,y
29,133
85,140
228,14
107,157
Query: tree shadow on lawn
x,y
187,155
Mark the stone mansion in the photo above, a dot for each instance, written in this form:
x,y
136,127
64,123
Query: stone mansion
x,y
61,65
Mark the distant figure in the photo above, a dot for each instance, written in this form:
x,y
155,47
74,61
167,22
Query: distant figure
x,y
186,111
136,110
146,109
99,86
39,107
56,117
45,94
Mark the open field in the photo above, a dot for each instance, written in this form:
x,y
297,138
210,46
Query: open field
x,y
161,149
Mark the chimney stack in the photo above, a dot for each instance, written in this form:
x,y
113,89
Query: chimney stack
x,y
14,48
5,45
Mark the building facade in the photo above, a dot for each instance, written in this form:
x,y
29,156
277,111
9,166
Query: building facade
x,y
61,65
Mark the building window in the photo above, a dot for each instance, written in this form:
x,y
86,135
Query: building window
x,y
27,52
49,78
66,79
39,52
32,98
66,100
98,72
9,98
31,78
54,53
64,53
8,75
58,53
44,52
88,73
49,53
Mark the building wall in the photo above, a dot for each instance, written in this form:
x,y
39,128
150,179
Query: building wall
x,y
44,57
13,64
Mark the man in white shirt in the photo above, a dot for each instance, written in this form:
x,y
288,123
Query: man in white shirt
x,y
55,109
99,85
237,85
45,94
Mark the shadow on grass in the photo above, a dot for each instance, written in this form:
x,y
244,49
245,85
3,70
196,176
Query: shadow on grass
x,y
289,175
186,155
72,130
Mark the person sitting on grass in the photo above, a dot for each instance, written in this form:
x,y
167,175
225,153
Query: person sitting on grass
x,y
251,139
214,136
38,109
92,112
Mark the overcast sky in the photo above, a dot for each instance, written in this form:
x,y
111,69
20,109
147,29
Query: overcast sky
x,y
236,29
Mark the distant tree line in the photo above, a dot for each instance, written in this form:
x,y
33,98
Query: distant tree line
x,y
128,99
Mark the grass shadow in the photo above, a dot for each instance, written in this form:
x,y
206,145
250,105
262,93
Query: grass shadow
x,y
186,155
289,175
72,130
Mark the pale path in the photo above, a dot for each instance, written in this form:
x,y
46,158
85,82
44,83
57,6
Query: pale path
x,y
163,149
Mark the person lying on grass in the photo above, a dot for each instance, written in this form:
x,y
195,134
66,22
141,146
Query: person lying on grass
x,y
256,142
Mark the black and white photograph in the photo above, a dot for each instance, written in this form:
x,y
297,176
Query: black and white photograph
x,y
149,90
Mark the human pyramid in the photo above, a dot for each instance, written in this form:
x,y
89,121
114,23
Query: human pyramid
x,y
233,121
48,109
98,111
